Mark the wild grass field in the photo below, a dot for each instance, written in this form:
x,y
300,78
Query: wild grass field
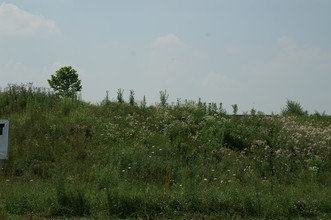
x,y
76,160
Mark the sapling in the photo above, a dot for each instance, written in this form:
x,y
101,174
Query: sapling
x,y
164,98
235,109
131,100
120,95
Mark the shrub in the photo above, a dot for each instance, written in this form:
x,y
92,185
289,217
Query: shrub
x,y
164,98
235,109
131,100
71,200
120,95
294,108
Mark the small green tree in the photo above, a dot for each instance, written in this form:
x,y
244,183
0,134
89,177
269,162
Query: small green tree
x,y
65,82
235,109
131,99
221,110
143,103
164,98
120,98
106,100
294,108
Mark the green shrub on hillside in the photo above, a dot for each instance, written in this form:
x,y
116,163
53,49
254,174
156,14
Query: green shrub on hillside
x,y
294,108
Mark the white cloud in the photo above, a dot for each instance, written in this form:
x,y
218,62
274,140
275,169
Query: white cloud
x,y
17,22
294,60
169,39
166,57
222,82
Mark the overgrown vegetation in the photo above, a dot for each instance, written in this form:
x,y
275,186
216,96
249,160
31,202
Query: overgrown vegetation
x,y
72,159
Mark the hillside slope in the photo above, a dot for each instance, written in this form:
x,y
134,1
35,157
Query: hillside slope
x,y
69,158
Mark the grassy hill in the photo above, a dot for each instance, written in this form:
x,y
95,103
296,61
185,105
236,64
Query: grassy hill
x,y
72,159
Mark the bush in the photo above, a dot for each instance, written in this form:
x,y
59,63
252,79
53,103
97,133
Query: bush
x,y
71,200
294,108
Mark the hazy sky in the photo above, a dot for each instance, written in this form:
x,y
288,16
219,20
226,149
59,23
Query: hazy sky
x,y
254,53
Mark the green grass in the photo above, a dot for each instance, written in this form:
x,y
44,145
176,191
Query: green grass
x,y
71,159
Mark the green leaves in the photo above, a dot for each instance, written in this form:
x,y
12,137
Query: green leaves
x,y
294,108
65,82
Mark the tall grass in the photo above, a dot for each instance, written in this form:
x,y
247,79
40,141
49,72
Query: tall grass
x,y
71,159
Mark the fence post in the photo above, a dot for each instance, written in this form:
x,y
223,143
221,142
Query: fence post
x,y
167,183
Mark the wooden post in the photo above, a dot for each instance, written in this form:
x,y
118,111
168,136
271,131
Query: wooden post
x,y
167,183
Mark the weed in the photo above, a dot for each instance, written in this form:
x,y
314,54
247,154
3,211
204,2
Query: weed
x,y
71,159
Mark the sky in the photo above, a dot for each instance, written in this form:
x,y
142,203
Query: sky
x,y
253,53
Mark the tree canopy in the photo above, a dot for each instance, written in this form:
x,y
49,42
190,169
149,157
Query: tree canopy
x,y
65,82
